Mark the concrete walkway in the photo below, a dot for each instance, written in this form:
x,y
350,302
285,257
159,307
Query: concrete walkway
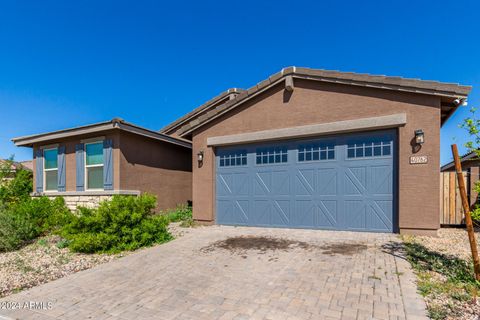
x,y
256,274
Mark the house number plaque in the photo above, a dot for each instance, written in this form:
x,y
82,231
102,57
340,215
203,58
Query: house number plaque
x,y
418,159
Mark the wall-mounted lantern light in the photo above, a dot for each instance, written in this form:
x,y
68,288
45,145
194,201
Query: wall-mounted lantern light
x,y
419,136
200,156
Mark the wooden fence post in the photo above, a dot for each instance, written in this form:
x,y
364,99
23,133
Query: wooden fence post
x,y
466,209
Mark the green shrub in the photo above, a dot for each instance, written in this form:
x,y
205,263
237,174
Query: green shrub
x,y
476,214
14,188
123,223
11,233
63,243
30,218
180,213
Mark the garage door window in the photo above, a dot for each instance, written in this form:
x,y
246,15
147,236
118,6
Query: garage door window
x,y
369,149
272,155
234,159
316,152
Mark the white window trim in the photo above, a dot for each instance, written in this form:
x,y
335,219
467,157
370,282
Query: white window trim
x,y
91,166
51,169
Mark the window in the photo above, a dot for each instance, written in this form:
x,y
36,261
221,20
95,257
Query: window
x,y
272,155
94,165
234,159
50,168
367,149
316,152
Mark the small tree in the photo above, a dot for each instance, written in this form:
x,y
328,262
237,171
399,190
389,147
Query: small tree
x,y
16,182
472,125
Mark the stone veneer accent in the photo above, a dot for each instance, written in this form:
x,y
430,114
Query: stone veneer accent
x,y
88,199
92,202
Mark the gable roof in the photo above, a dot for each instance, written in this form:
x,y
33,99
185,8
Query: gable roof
x,y
467,160
27,165
115,123
219,99
447,91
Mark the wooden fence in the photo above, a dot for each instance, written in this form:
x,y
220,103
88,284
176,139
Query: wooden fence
x,y
451,212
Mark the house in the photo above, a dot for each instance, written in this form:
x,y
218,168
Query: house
x,y
471,170
12,167
305,148
88,164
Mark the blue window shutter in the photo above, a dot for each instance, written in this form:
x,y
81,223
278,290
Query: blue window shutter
x,y
80,167
39,170
107,164
61,168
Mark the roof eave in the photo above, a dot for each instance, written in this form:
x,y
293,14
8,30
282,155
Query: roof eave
x,y
390,83
118,124
205,106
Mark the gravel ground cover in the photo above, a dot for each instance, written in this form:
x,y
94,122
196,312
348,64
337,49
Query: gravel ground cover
x,y
45,260
446,298
42,261
450,241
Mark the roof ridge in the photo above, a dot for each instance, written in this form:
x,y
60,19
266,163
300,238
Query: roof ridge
x,y
201,108
350,78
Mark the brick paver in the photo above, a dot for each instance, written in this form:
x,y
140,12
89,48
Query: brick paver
x,y
179,280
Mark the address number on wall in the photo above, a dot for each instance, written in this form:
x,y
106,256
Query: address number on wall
x,y
418,159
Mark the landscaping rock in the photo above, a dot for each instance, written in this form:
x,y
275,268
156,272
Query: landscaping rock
x,y
42,261
454,243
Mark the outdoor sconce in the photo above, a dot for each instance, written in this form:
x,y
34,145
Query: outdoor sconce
x,y
200,156
419,137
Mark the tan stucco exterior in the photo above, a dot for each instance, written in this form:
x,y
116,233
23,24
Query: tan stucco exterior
x,y
156,167
314,102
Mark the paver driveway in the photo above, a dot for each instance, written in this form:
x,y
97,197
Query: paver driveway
x,y
256,274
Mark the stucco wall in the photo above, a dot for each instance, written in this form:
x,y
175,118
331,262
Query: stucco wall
x,y
157,167
315,102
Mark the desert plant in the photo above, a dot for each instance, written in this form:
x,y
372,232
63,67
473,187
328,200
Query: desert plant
x,y
180,213
123,223
30,218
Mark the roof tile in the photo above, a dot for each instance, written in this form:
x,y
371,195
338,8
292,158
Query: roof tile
x,y
358,79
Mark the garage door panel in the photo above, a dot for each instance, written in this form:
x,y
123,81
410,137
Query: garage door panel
x,y
305,213
355,181
263,182
224,183
355,214
327,181
233,212
327,213
233,184
305,182
378,217
281,182
381,180
340,183
271,212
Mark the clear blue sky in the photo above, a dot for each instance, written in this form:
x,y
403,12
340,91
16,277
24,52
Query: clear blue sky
x,y
69,63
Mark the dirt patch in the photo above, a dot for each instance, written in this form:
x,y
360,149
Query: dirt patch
x,y
347,249
261,244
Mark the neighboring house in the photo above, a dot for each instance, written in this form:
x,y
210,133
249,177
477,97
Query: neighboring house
x,y
471,167
14,166
91,163
304,148
27,165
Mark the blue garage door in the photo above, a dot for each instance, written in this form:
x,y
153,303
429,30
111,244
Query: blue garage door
x,y
341,183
